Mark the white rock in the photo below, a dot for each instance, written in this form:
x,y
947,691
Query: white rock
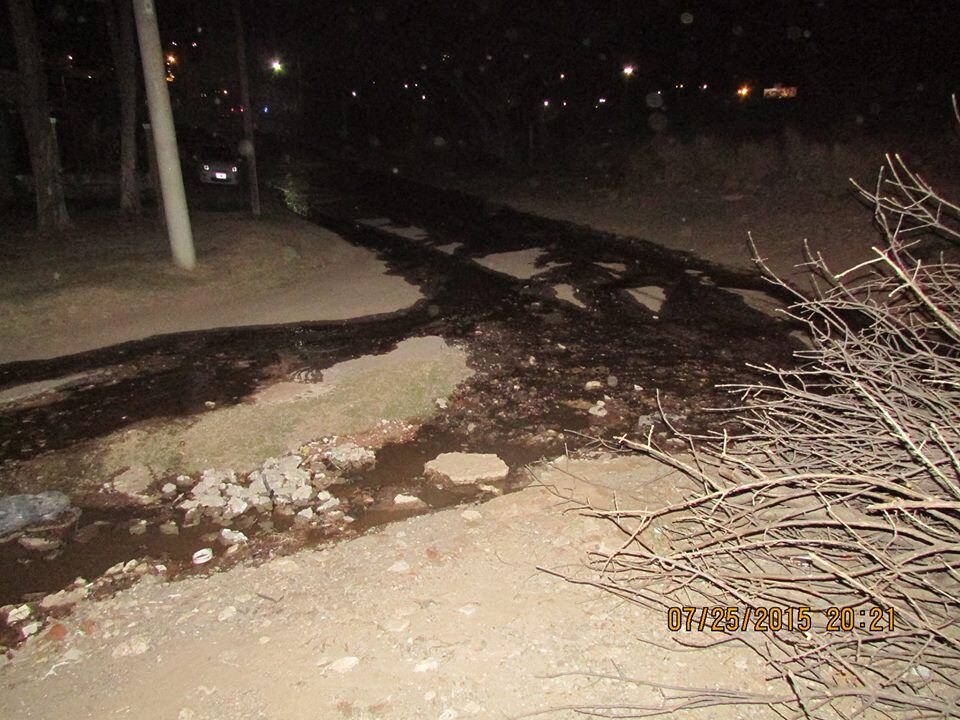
x,y
138,527
593,385
350,456
235,506
134,646
31,628
402,499
466,468
230,537
64,598
305,516
21,612
400,566
344,664
426,665
329,504
302,495
471,516
598,410
169,490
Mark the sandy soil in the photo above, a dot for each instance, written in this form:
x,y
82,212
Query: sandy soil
x,y
440,616
108,283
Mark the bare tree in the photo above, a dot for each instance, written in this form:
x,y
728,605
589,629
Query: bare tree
x,y
38,125
119,19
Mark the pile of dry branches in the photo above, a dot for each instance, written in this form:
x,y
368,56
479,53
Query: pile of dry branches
x,y
843,495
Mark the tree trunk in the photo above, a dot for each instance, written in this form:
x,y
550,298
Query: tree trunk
x,y
249,150
38,125
119,16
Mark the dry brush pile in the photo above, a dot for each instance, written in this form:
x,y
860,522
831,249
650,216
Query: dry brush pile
x,y
842,495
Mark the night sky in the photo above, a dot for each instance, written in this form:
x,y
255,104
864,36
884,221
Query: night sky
x,y
853,58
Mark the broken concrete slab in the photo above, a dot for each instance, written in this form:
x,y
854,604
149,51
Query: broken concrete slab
x,y
466,468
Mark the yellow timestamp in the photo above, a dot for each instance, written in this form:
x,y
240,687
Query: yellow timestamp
x,y
777,618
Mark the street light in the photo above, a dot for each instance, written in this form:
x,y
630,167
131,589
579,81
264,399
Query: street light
x,y
628,70
276,66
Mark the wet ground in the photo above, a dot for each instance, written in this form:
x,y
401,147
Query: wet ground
x,y
533,355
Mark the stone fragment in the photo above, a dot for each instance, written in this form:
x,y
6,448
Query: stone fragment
x,y
19,613
129,648
63,598
39,544
466,468
344,664
138,527
232,537
349,457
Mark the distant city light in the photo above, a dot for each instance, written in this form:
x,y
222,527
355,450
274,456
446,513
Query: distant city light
x,y
601,100
564,103
172,59
193,44
628,70
406,86
170,77
70,58
546,103
353,92
224,91
423,97
266,108
704,86
743,91
276,65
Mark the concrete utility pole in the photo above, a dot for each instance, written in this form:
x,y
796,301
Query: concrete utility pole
x,y
250,150
164,136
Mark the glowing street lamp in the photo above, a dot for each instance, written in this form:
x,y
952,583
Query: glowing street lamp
x,y
743,91
276,66
172,59
628,70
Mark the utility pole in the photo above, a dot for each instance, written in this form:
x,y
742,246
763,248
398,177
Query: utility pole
x,y
164,136
249,151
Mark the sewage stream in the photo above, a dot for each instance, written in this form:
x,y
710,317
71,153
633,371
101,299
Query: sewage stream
x,y
531,351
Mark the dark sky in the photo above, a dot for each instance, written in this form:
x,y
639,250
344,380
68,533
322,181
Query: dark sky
x,y
834,48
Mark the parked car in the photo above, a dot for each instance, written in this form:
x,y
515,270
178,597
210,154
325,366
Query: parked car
x,y
217,165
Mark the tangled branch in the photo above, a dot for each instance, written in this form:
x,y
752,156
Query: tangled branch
x,y
842,493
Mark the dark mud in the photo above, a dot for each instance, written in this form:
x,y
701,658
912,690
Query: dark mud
x,y
532,355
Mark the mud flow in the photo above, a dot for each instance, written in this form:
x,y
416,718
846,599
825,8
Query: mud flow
x,y
575,344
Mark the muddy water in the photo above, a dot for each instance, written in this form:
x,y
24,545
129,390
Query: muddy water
x,y
532,355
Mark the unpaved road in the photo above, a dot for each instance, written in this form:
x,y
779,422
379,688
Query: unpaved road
x,y
440,616
559,328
